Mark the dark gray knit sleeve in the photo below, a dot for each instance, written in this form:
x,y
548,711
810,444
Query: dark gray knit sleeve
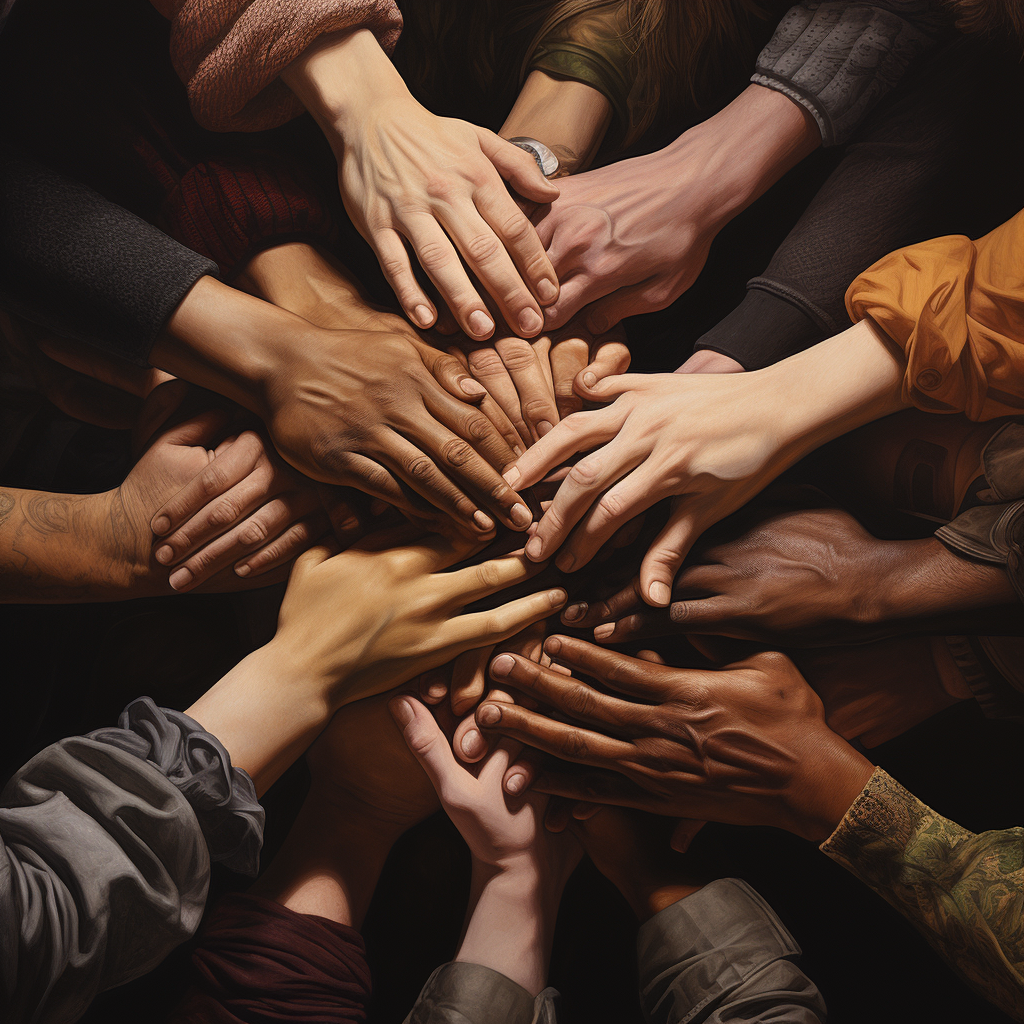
x,y
105,849
837,60
82,266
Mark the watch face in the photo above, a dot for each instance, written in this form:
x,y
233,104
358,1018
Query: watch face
x,y
546,160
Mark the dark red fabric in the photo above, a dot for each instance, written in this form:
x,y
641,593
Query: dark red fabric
x,y
230,210
261,963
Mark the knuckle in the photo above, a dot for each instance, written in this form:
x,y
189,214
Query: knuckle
x,y
440,188
224,513
254,532
420,468
489,574
579,701
457,453
433,255
483,248
575,746
478,427
610,508
585,473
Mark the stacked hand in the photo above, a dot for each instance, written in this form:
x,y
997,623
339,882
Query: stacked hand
x,y
746,745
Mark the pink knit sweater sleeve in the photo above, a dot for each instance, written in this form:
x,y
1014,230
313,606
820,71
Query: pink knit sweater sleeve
x,y
229,53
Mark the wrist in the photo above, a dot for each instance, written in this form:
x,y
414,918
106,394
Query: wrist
x,y
340,78
742,150
816,801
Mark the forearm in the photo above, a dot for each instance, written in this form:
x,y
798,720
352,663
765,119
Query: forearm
x,y
339,77
742,151
962,891
330,863
833,387
510,924
267,710
569,117
59,548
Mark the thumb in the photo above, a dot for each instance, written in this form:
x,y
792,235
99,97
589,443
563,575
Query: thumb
x,y
604,314
609,359
665,557
608,388
313,557
429,745
517,167
452,375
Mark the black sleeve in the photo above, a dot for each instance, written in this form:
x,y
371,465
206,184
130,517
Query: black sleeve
x,y
78,264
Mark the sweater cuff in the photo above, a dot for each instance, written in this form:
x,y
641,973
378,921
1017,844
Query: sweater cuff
x,y
837,60
197,764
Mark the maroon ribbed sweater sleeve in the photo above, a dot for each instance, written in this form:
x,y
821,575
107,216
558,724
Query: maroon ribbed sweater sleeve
x,y
229,53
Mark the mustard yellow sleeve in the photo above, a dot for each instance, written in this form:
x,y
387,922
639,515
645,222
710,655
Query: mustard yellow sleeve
x,y
956,308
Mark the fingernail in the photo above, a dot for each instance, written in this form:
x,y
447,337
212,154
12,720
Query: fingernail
x,y
180,578
574,612
552,645
512,477
378,507
165,554
161,525
566,562
520,514
590,379
530,321
473,388
423,316
243,570
518,451
544,427
502,665
557,597
401,711
547,291
489,714
515,783
480,323
535,549
484,521
604,631
471,743
660,594
437,690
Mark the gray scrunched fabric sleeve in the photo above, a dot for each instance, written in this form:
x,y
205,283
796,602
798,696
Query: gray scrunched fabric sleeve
x,y
837,60
104,857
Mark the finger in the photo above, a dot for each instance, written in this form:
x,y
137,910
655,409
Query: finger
x,y
488,368
615,670
606,787
428,744
665,557
469,677
433,686
576,290
283,548
260,530
370,477
441,262
451,441
572,697
569,742
623,602
519,238
582,497
476,629
518,168
536,396
610,388
450,372
684,833
468,585
632,495
611,358
397,267
423,475
709,614
568,358
579,432
520,775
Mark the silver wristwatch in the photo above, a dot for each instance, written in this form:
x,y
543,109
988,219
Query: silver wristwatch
x,y
546,160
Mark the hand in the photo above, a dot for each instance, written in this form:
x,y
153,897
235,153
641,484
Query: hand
x,y
374,616
532,381
744,745
407,175
246,507
713,440
633,236
360,408
707,361
500,833
803,576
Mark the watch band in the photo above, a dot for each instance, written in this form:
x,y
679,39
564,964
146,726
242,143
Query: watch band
x,y
546,160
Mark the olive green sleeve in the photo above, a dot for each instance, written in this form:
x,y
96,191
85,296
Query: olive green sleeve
x,y
963,892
